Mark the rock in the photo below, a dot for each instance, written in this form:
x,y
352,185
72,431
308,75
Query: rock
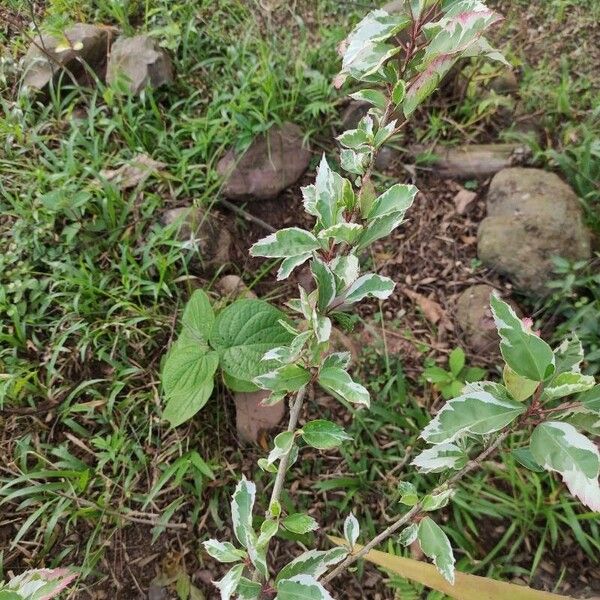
x,y
83,46
272,163
200,230
157,592
233,286
473,161
252,418
386,157
532,216
353,113
141,62
474,318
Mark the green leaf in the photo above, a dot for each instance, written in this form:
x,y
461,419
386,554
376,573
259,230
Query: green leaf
x,y
559,447
229,583
525,353
483,408
351,530
384,134
268,529
238,385
408,493
399,92
355,138
397,199
370,285
224,552
342,232
289,264
300,523
567,384
243,333
591,399
379,228
323,434
301,587
409,534
325,284
439,458
435,501
288,378
187,379
248,590
525,457
328,199
198,319
346,269
436,546
354,161
456,361
375,97
520,388
338,382
242,503
313,562
340,360
435,374
569,356
284,243
283,443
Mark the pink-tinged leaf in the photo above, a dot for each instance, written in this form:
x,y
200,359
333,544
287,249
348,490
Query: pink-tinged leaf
x,y
61,577
426,82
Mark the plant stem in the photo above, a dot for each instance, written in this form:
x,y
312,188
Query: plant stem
x,y
283,463
415,511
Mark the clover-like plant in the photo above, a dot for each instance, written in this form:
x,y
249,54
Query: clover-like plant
x,y
402,58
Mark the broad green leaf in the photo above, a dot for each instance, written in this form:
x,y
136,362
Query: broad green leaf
x,y
409,534
370,285
465,587
198,318
285,243
525,457
384,134
456,361
435,374
342,232
300,523
229,583
399,92
483,408
559,447
313,562
329,194
567,384
288,378
323,434
375,97
322,328
340,360
439,458
525,353
301,587
224,552
325,281
569,356
435,501
520,388
355,138
591,399
268,529
351,530
397,199
249,590
238,385
338,382
436,546
283,443
408,493
346,269
242,503
379,228
243,333
289,264
187,378
258,557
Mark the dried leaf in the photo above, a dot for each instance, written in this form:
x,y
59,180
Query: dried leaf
x,y
432,311
462,199
133,174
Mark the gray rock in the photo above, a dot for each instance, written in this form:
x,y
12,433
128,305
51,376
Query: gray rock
x,y
141,62
532,216
252,418
272,163
353,113
82,47
474,318
200,231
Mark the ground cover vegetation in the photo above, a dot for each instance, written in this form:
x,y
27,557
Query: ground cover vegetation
x,y
101,458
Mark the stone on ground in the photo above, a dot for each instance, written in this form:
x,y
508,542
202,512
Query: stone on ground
x,y
83,48
272,163
139,61
202,232
532,215
252,418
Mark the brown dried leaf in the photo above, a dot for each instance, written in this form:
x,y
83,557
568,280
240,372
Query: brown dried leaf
x,y
432,311
463,199
133,174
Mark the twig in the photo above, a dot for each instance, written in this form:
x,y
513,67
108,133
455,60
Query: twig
x,y
416,509
244,213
